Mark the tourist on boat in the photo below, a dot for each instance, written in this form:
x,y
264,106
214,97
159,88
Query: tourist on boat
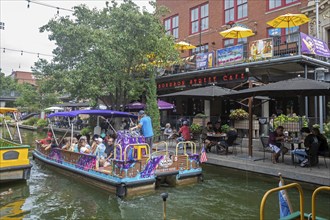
x,y
109,148
309,141
185,133
145,125
66,143
100,149
45,140
82,146
52,144
275,143
168,132
73,143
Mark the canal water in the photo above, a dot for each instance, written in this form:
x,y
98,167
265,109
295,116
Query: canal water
x,y
224,194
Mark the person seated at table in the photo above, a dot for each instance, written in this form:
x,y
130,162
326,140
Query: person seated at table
x,y
217,127
231,137
274,142
207,140
309,141
185,134
324,147
168,132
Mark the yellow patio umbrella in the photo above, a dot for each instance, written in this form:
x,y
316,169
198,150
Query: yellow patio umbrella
x,y
288,20
237,32
184,46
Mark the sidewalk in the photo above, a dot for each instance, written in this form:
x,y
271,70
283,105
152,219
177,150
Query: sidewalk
x,y
314,175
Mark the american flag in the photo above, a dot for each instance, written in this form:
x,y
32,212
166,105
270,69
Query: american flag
x,y
203,157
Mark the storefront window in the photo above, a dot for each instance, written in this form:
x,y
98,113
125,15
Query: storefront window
x,y
199,18
274,4
235,10
172,26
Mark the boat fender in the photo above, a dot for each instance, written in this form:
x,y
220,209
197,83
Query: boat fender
x,y
201,178
121,190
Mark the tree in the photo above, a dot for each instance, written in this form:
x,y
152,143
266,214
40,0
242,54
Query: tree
x,y
105,54
108,54
7,85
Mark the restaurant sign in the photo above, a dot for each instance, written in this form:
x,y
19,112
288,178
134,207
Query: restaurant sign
x,y
229,55
203,80
312,45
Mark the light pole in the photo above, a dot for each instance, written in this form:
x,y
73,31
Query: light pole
x,y
318,36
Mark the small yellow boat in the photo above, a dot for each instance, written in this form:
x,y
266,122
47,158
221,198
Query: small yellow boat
x,y
14,158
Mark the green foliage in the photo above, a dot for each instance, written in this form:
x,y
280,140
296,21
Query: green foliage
x,y
41,123
7,84
326,129
279,120
225,128
239,114
7,118
31,121
35,98
100,53
85,131
152,106
195,128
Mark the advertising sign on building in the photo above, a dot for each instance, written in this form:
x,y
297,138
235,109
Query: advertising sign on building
x,y
204,60
312,45
260,49
229,54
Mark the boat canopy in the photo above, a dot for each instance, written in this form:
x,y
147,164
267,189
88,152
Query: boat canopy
x,y
5,110
104,113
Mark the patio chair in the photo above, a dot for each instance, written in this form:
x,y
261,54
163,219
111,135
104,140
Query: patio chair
x,y
266,148
313,156
324,154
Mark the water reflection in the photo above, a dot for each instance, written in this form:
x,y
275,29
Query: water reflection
x,y
225,194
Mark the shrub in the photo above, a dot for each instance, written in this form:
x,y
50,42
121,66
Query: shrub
x,y
31,121
85,131
41,123
225,128
195,128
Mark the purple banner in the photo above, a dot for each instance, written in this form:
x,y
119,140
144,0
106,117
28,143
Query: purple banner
x,y
204,60
312,45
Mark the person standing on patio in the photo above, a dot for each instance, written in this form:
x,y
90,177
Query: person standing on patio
x,y
274,142
145,124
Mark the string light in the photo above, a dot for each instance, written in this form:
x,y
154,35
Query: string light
x,y
49,6
27,52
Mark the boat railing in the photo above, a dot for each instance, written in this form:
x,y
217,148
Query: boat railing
x,y
160,144
186,144
138,147
120,151
291,185
321,188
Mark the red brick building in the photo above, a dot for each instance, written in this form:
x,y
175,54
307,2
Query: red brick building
x,y
199,23
23,77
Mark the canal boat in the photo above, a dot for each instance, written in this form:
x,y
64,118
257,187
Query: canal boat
x,y
14,158
135,167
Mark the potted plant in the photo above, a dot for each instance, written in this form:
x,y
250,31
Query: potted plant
x,y
200,119
240,117
291,122
225,128
195,128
